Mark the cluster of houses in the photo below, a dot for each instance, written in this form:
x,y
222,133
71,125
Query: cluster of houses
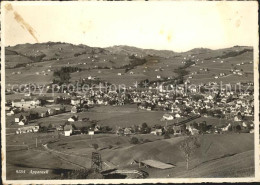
x,y
27,129
177,104
26,103
180,103
24,110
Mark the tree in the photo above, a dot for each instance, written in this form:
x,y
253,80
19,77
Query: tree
x,y
238,128
167,136
145,129
83,130
95,146
188,147
50,126
134,140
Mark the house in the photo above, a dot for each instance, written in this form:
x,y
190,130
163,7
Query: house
x,y
59,128
167,117
9,113
75,101
28,94
7,108
43,113
193,130
120,132
177,115
35,102
73,118
128,131
21,103
68,130
237,118
51,112
158,132
50,100
91,132
22,122
74,109
97,128
177,130
15,111
33,128
18,119
244,124
226,128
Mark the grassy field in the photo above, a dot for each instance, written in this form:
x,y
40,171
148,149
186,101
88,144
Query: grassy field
x,y
226,155
57,55
114,117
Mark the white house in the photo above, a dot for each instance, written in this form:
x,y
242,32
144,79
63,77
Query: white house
x,y
177,116
167,117
91,132
18,119
226,128
68,130
21,123
75,101
193,131
73,119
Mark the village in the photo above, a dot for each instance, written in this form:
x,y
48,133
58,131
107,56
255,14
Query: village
x,y
130,119
178,105
87,121
152,92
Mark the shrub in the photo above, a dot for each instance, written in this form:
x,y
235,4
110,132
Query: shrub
x,y
134,140
167,136
147,141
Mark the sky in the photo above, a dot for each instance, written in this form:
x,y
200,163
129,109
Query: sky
x,y
177,26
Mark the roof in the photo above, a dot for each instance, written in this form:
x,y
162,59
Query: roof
x,y
167,115
67,127
157,164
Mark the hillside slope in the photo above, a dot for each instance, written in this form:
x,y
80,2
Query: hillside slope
x,y
35,63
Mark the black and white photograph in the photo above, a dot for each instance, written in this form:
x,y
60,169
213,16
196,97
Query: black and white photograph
x,y
129,92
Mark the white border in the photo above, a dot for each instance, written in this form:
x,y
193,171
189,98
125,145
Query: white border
x,y
128,181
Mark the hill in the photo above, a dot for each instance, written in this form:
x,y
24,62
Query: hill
x,y
227,155
35,63
142,52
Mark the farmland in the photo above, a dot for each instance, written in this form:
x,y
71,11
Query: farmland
x,y
117,117
106,63
224,152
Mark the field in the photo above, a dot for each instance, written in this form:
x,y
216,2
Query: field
x,y
227,155
114,117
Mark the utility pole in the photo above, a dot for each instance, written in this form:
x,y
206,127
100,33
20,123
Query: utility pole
x,y
96,162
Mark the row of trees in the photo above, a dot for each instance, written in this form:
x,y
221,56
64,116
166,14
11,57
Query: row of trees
x,y
62,76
